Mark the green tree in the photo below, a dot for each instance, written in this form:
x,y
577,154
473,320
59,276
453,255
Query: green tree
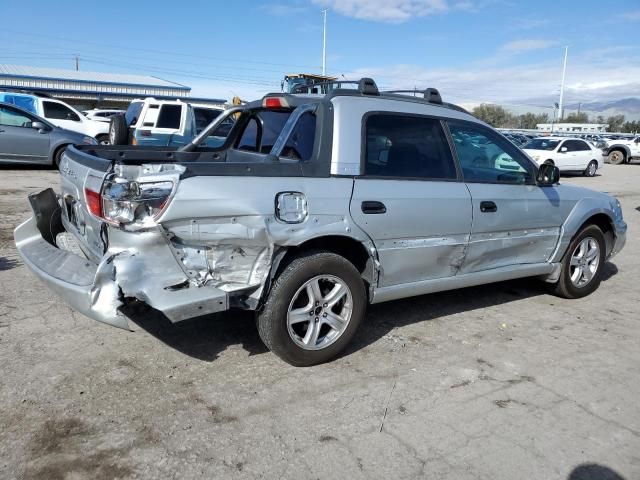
x,y
615,123
576,117
495,115
631,127
530,120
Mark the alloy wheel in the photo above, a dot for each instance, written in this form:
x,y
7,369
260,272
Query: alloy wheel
x,y
319,312
585,261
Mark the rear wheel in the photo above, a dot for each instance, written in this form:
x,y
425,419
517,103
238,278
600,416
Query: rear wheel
x,y
582,264
313,309
549,162
57,156
591,169
616,157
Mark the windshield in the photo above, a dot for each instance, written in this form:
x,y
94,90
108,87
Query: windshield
x,y
541,144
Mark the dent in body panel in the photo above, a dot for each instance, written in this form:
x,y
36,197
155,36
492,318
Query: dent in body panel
x,y
498,249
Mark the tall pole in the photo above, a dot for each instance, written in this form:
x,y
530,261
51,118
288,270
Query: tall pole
x,y
564,71
77,63
324,42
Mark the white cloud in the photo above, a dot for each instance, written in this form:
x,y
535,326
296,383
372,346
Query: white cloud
x,y
392,11
527,45
632,16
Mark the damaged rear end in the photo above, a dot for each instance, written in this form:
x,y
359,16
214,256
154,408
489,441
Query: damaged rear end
x,y
166,227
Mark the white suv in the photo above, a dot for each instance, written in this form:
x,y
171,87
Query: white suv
x,y
101,115
58,113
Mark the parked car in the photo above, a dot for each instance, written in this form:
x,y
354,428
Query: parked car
x,y
312,208
152,122
622,151
27,138
101,115
568,154
58,113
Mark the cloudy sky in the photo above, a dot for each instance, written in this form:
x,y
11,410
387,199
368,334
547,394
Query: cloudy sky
x,y
474,51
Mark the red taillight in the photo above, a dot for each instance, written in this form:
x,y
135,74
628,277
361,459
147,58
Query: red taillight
x,y
94,202
275,102
145,133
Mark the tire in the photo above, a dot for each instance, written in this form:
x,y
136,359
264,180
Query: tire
x,y
591,169
568,288
549,162
57,156
103,139
616,157
320,273
118,130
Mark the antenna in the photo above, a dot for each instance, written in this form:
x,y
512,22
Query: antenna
x,y
77,62
564,71
324,42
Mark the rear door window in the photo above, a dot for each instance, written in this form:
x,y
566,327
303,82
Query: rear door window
x,y
407,146
169,116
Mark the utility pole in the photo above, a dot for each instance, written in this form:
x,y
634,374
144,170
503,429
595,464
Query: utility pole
x,y
77,62
564,71
324,42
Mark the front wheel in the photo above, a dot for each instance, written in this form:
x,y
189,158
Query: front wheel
x,y
313,309
103,139
616,157
582,264
591,169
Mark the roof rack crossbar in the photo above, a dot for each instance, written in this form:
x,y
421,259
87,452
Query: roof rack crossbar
x,y
432,95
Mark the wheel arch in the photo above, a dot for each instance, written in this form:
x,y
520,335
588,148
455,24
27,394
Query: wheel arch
x,y
586,212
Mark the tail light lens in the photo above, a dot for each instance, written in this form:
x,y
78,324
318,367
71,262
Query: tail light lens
x,y
124,202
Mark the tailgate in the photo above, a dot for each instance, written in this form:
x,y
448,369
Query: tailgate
x,y
79,171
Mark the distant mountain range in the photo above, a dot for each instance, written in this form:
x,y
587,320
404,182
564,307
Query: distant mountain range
x,y
625,106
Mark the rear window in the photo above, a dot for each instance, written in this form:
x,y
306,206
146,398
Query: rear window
x,y
262,130
169,117
299,145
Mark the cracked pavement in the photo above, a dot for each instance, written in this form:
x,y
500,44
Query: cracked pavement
x,y
502,381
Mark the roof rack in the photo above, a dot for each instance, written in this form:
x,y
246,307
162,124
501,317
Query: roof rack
x,y
365,86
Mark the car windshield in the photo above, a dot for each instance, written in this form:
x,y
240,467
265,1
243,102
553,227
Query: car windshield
x,y
541,144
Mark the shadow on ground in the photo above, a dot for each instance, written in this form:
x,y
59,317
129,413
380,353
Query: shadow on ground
x,y
8,263
206,337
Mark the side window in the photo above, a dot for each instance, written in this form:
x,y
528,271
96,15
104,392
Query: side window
x,y
249,138
299,145
582,146
169,117
486,157
570,145
204,116
57,111
11,118
133,112
406,146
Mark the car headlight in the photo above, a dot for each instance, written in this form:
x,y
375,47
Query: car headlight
x,y
89,140
617,210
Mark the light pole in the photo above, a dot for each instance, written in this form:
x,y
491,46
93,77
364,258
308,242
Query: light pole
x,y
324,42
564,71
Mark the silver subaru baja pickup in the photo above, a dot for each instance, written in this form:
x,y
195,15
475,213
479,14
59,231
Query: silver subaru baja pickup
x,y
314,207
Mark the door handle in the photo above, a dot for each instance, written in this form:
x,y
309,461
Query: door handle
x,y
488,207
373,207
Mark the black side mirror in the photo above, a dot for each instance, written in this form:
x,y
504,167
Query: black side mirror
x,y
548,175
41,127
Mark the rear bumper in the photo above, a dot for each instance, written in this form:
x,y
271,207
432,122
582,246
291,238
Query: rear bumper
x,y
68,275
145,270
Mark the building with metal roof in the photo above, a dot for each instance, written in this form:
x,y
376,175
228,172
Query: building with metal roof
x,y
91,89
